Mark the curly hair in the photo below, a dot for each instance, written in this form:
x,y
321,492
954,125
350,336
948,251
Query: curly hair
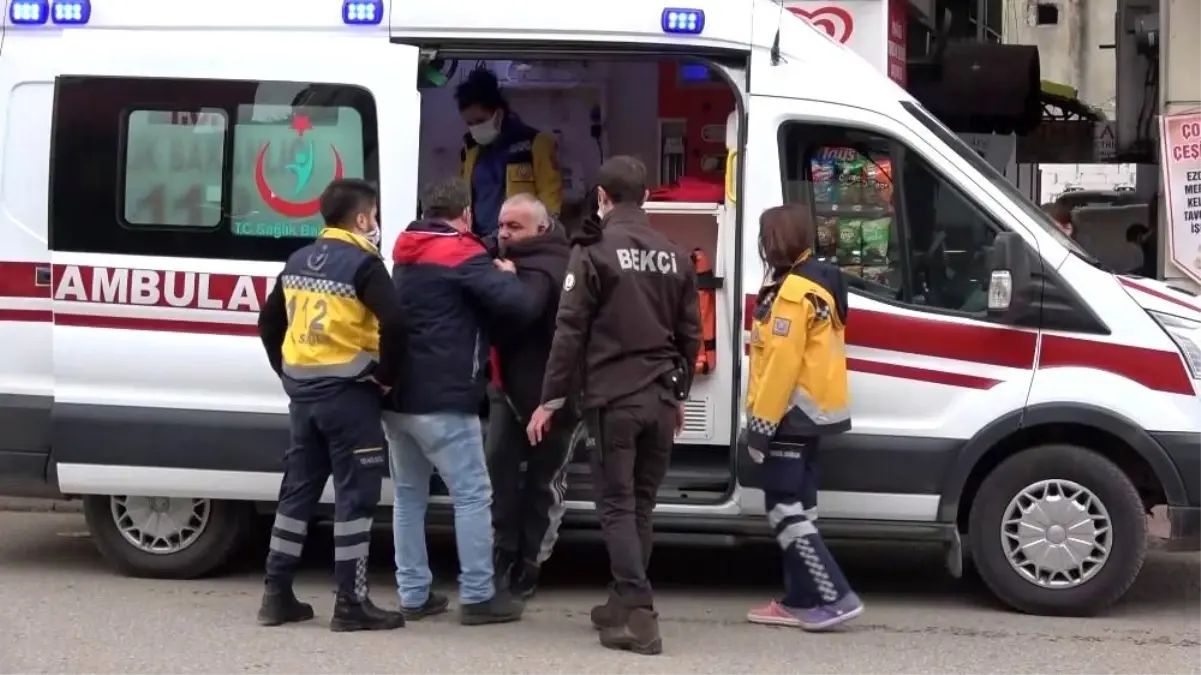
x,y
482,89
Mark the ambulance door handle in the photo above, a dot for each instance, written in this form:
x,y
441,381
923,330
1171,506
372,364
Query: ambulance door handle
x,y
41,276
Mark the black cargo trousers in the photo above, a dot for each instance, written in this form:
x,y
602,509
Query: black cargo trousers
x,y
528,509
630,442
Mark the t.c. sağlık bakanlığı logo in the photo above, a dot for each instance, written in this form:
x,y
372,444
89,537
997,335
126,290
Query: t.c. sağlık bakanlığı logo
x,y
301,166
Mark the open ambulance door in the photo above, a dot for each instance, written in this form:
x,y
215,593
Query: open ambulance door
x,y
186,168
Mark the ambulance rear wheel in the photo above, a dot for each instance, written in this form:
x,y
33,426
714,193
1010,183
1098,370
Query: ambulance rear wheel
x,y
167,537
1058,530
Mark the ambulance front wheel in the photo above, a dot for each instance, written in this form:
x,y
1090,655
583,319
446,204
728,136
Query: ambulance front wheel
x,y
167,537
1058,530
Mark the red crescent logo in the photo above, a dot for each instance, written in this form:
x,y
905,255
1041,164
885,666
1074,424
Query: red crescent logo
x,y
279,204
835,21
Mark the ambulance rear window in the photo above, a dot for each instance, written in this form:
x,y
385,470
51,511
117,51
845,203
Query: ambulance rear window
x,y
224,169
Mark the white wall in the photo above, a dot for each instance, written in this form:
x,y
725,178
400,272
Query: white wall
x,y
1070,52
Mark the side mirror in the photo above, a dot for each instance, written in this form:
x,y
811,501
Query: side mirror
x,y
1011,277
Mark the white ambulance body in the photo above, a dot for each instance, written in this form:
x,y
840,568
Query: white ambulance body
x,y
1005,388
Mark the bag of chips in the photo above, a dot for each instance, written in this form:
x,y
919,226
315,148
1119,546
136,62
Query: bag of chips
x,y
878,180
827,237
850,178
876,234
824,173
850,242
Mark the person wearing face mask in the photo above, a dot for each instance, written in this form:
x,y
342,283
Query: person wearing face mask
x,y
331,327
628,313
502,156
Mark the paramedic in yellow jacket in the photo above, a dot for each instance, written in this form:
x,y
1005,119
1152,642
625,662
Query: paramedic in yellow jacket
x,y
796,395
502,156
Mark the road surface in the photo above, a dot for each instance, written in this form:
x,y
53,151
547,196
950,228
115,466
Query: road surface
x,y
63,611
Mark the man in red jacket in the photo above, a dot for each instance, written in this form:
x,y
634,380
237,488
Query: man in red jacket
x,y
526,516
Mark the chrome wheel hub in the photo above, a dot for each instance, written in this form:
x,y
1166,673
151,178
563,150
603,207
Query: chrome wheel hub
x,y
160,525
1056,534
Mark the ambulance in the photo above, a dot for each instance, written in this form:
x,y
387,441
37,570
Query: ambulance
x,y
1013,399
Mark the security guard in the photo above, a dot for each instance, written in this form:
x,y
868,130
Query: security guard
x,y
628,313
797,393
331,330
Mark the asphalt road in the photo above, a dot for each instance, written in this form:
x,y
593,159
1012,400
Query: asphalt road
x,y
63,611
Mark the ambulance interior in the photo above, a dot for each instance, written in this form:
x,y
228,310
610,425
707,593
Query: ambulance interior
x,y
673,115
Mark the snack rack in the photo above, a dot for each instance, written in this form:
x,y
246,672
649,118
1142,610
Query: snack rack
x,y
853,206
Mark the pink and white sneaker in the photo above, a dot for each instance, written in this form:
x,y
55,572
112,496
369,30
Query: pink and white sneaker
x,y
773,614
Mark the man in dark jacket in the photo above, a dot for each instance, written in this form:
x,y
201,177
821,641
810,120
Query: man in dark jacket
x,y
629,312
526,515
449,289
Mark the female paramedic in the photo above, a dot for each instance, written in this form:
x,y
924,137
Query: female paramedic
x,y
797,394
502,156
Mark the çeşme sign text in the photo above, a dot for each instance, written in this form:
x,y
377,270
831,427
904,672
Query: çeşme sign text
x,y
1181,162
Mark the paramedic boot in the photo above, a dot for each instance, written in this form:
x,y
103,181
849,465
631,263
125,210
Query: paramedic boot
x,y
280,606
639,633
351,615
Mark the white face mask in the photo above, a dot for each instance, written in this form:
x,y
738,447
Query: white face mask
x,y
373,236
484,132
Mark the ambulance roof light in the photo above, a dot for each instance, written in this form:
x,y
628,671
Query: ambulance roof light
x,y
70,12
683,21
29,12
362,12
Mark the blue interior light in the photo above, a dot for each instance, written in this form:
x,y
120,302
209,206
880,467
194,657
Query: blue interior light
x,y
70,12
683,21
362,12
28,12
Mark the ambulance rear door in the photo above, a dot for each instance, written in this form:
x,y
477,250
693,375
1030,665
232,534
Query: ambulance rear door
x,y
186,167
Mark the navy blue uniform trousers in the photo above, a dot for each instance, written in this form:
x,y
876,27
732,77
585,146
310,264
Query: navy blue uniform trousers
x,y
811,577
339,435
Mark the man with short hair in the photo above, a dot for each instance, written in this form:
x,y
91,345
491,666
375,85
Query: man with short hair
x,y
629,313
1062,215
330,327
450,289
526,514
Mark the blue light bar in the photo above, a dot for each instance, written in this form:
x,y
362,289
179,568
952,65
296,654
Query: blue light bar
x,y
70,12
362,12
683,21
28,12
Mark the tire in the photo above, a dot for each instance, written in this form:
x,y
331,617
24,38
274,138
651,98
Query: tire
x,y
1127,534
228,525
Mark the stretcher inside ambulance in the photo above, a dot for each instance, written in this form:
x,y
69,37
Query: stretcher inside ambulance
x,y
148,204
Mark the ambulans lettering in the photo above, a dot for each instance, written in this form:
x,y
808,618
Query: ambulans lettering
x,y
160,288
647,260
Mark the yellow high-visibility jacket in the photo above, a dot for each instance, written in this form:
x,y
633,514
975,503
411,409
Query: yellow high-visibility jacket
x,y
798,380
531,164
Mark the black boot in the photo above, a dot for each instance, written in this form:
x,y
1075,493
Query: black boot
x,y
639,633
502,608
280,606
352,615
435,604
503,566
526,582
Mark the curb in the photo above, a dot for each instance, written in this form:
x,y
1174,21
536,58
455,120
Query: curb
x,y
33,505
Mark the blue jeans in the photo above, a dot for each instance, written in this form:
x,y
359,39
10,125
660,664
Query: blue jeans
x,y
453,444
